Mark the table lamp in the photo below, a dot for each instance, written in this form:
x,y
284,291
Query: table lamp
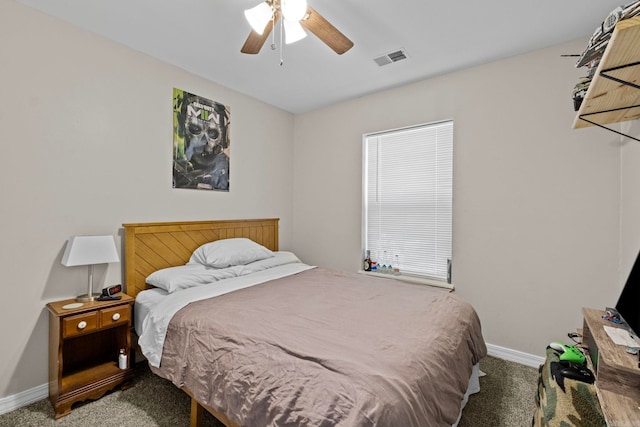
x,y
89,250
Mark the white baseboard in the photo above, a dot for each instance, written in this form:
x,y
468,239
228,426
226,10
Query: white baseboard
x,y
514,356
24,398
10,403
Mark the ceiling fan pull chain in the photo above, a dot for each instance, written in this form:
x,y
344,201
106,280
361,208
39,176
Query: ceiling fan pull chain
x,y
273,31
281,44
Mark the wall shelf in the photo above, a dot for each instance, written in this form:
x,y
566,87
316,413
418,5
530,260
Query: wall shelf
x,y
614,93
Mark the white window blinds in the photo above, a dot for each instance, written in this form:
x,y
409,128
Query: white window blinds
x,y
408,180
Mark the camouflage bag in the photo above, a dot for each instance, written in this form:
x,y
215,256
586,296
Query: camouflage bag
x,y
564,402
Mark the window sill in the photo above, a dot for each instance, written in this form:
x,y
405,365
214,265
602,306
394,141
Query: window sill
x,y
411,279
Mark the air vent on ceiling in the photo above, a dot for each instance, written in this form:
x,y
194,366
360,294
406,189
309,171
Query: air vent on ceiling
x,y
388,58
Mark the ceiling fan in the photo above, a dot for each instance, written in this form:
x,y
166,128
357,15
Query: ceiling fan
x,y
296,14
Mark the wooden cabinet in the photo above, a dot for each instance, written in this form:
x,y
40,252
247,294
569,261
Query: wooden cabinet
x,y
84,344
617,372
614,92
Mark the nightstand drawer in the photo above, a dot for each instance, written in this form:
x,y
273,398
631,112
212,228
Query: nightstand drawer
x,y
115,315
80,324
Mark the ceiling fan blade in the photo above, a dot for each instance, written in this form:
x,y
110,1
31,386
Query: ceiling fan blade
x,y
255,41
326,32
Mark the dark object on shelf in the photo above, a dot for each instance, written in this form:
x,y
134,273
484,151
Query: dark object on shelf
x,y
579,91
602,34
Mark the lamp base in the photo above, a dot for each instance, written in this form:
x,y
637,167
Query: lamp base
x,y
88,298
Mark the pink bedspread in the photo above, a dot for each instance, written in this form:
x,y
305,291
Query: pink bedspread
x,y
322,348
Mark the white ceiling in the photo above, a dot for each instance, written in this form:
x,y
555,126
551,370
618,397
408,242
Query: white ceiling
x,y
205,37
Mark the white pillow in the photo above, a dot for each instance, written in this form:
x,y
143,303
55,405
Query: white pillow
x,y
227,252
187,276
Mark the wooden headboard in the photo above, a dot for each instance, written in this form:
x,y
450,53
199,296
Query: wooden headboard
x,y
154,245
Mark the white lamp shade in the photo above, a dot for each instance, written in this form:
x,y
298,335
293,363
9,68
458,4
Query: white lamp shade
x,y
293,31
88,250
259,17
294,10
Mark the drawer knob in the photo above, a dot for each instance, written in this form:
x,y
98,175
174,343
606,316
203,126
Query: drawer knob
x,y
115,316
82,325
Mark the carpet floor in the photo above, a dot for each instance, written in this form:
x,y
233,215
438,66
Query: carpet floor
x,y
506,399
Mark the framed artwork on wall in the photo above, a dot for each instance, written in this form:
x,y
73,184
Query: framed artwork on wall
x,y
201,142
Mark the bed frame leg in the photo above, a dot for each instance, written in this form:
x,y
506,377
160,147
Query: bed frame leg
x,y
197,413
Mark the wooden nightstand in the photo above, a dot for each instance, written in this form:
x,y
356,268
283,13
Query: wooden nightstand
x,y
84,344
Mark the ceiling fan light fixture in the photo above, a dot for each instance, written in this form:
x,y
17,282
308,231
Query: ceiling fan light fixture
x,y
302,15
293,31
294,10
259,16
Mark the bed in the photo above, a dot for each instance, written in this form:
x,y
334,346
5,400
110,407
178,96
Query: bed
x,y
277,342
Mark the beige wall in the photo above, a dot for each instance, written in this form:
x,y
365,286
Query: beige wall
x,y
86,134
85,126
536,203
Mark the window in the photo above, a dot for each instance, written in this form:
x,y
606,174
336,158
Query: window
x,y
408,180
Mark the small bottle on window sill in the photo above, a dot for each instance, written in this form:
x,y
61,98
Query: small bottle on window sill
x,y
367,261
396,265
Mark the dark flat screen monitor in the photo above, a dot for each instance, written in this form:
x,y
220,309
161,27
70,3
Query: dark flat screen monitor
x,y
628,305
